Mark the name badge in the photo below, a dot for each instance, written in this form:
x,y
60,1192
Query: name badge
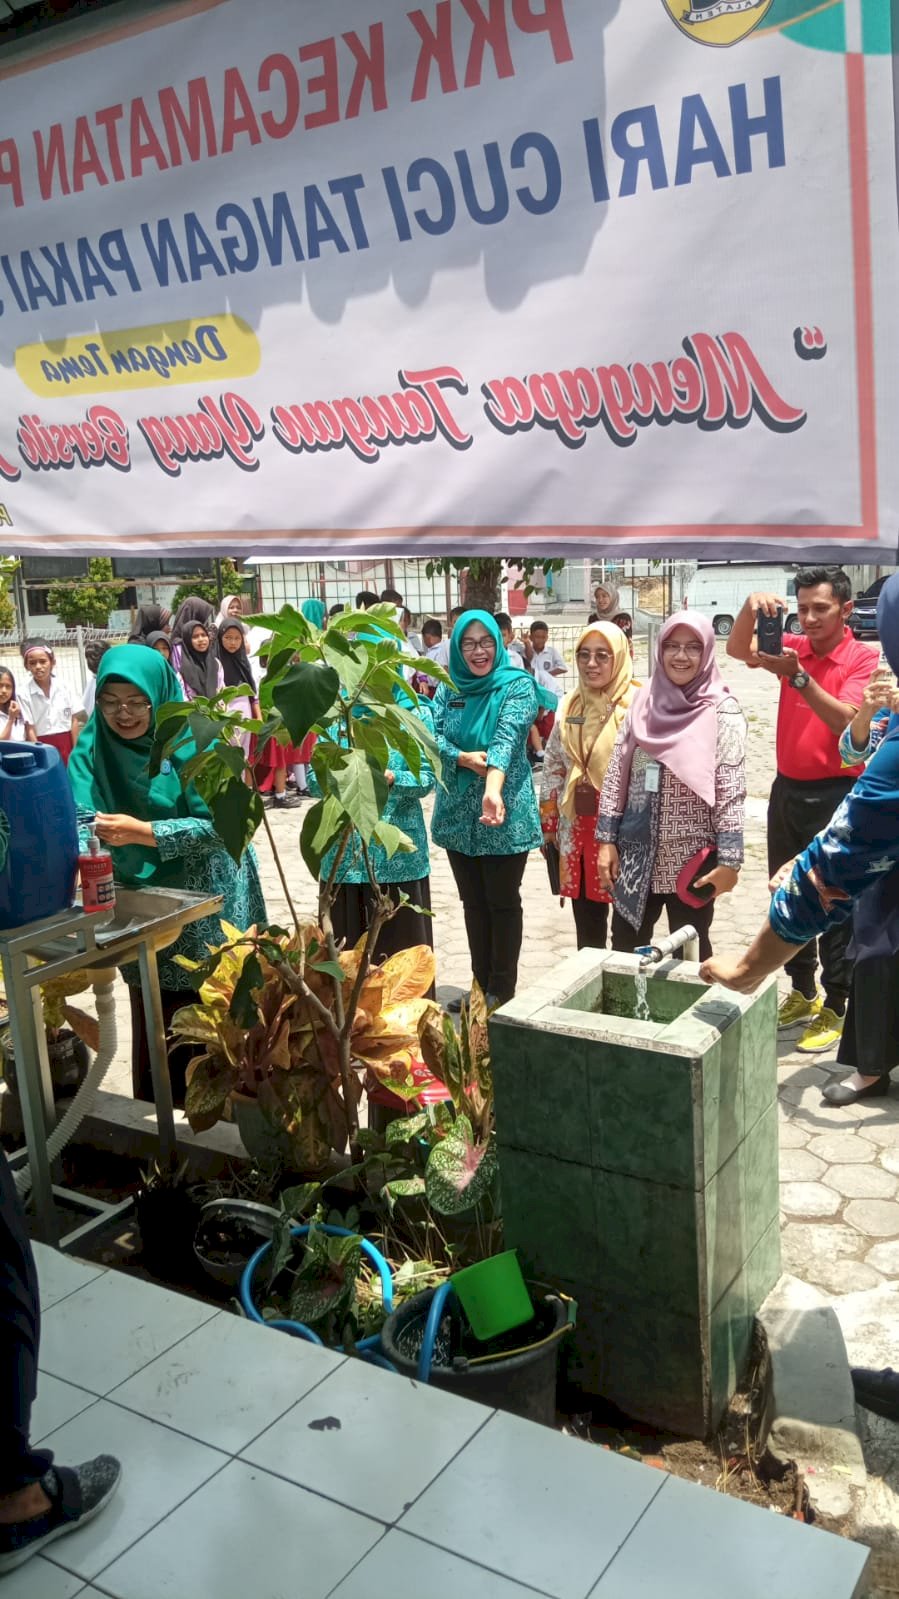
x,y
457,705
575,721
651,778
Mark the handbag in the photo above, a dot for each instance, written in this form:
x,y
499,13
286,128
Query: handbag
x,y
699,865
586,799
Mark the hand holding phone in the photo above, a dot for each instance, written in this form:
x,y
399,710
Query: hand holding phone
x,y
770,632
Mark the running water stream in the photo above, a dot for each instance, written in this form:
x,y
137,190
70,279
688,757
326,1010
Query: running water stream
x,y
641,999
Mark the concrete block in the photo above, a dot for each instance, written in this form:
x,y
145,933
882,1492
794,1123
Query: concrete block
x,y
810,1408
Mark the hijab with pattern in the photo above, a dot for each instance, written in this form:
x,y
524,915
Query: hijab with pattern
x,y
111,774
589,719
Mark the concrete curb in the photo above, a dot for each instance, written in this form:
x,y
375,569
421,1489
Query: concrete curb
x,y
810,1413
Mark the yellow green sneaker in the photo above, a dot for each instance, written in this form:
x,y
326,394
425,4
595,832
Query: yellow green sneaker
x,y
825,1030
796,1009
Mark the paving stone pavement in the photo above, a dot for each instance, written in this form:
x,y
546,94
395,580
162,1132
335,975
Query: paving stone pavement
x,y
840,1168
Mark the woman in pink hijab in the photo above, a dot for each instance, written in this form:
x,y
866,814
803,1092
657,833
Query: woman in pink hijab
x,y
670,827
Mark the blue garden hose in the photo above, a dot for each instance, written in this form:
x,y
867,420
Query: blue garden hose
x,y
365,1346
432,1327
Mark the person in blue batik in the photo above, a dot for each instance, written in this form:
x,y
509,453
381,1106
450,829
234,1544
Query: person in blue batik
x,y
848,871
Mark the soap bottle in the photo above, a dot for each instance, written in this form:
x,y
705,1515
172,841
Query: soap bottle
x,y
97,882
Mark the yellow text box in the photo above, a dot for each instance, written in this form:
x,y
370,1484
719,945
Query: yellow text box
x,y
209,349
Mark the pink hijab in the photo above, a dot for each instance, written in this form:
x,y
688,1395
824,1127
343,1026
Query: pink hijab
x,y
679,726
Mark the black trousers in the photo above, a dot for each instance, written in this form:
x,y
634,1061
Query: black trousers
x,y
591,920
626,938
20,1327
411,925
490,890
796,812
870,1040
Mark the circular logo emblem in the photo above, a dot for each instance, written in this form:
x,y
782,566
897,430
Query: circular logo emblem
x,y
717,22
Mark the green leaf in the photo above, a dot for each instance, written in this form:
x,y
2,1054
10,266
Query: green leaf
x,y
460,1173
392,840
236,815
418,732
329,969
361,788
243,1008
403,1188
367,735
304,696
204,729
405,1128
275,667
323,826
345,660
295,1202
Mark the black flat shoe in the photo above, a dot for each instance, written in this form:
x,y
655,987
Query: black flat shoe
x,y
839,1094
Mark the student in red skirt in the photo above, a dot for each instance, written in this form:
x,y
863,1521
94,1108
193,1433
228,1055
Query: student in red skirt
x,y
46,702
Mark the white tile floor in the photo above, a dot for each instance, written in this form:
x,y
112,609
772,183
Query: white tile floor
x,y
230,1488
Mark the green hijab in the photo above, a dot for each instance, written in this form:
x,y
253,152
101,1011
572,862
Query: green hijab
x,y
314,612
483,696
111,774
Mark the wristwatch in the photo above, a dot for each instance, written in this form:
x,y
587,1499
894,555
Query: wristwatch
x,y
800,679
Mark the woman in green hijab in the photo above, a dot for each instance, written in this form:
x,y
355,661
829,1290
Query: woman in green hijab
x,y
485,815
160,834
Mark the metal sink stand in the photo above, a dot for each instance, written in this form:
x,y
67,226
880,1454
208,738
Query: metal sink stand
x,y
69,942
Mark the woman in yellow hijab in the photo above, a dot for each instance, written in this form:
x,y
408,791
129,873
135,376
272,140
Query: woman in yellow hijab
x,y
578,752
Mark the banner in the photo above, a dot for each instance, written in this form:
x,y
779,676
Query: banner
x,y
355,278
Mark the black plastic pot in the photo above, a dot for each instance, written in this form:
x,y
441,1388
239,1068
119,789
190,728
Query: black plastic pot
x,y
523,1383
229,1232
68,1057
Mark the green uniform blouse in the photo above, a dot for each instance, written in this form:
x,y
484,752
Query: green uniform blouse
x,y
457,808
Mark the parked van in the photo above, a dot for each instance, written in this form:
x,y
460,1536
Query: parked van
x,y
719,589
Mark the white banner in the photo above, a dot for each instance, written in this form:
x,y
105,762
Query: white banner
x,y
354,277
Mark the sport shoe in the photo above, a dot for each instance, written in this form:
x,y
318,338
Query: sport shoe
x,y
825,1030
796,1008
76,1493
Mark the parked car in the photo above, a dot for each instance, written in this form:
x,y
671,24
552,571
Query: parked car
x,y
719,589
863,620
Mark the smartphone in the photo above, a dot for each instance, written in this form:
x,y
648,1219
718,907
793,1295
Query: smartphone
x,y
770,631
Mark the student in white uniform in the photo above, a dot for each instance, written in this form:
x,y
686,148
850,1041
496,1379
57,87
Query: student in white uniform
x,y
46,701
14,728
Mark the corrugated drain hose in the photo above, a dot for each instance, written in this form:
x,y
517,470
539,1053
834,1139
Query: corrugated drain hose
x,y
81,1104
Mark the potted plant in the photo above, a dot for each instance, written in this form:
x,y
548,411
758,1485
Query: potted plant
x,y
295,1017
269,1055
70,1032
438,1168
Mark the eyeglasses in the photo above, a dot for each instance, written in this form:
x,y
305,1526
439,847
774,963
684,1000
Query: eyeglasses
x,y
134,708
693,650
601,657
470,646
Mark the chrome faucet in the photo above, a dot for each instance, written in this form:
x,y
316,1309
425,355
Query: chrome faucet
x,y
686,938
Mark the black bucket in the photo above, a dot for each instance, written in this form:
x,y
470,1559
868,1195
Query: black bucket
x,y
523,1382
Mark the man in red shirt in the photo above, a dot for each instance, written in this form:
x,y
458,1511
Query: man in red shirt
x,y
822,680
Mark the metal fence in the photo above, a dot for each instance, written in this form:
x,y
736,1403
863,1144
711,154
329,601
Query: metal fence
x,y
67,646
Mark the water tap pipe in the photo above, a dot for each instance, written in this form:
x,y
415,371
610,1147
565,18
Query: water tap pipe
x,y
686,938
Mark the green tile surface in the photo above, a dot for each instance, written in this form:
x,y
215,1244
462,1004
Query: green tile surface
x,y
549,1217
640,1112
666,999
730,1338
647,1243
761,1175
540,1088
759,1051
